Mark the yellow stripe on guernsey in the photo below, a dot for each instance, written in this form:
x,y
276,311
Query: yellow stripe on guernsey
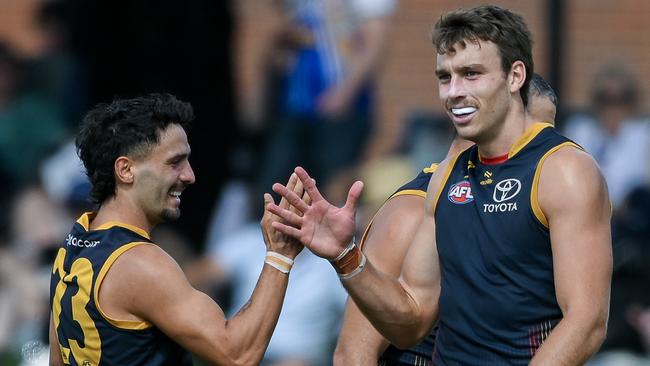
x,y
431,168
534,201
85,219
445,177
410,192
124,324
407,192
417,192
135,229
365,232
528,136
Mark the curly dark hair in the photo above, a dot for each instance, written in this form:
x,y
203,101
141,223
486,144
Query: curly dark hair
x,y
124,127
506,29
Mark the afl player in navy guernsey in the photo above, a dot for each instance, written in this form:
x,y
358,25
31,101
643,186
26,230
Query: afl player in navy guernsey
x,y
387,239
513,255
119,299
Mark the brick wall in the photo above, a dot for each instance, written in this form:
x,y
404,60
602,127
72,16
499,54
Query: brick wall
x,y
604,31
596,31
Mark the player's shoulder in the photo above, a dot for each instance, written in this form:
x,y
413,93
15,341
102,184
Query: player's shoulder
x,y
418,185
146,275
572,160
146,263
570,175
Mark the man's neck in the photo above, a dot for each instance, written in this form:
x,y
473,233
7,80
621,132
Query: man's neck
x,y
121,210
511,130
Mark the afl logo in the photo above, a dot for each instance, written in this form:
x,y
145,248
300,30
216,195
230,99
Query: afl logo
x,y
460,193
506,189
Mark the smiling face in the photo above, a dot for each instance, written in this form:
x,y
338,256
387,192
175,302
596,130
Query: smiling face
x,y
475,91
162,174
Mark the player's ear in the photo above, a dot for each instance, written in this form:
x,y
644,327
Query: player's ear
x,y
517,76
124,170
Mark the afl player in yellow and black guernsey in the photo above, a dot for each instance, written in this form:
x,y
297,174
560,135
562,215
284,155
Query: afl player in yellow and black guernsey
x,y
513,256
118,299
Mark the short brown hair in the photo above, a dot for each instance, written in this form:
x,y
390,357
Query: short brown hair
x,y
501,26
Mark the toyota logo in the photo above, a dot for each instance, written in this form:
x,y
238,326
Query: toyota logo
x,y
506,189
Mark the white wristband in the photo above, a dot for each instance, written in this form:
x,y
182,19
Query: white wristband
x,y
281,257
278,261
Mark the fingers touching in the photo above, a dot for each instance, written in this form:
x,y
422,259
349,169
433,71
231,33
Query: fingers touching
x,y
309,184
291,197
286,229
291,185
288,216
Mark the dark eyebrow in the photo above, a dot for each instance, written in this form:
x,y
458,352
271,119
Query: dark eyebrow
x,y
462,69
471,67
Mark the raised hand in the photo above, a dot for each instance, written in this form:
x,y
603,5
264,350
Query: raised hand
x,y
275,240
322,227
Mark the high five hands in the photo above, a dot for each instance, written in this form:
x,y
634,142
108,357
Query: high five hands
x,y
276,241
323,228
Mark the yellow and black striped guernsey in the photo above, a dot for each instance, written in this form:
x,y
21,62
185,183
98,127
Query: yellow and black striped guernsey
x,y
497,300
87,336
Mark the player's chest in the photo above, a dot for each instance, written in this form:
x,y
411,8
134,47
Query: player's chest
x,y
488,191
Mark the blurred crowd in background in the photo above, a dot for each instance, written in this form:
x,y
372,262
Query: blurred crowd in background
x,y
314,101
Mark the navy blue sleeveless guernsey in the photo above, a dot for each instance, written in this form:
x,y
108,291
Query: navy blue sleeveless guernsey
x,y
420,354
497,301
87,336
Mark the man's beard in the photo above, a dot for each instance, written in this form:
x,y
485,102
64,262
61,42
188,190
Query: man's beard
x,y
170,214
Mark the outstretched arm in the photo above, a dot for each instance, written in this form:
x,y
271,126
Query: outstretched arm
x,y
152,287
402,310
389,236
573,197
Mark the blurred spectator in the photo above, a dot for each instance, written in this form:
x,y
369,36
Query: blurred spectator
x,y
426,138
37,224
56,72
619,139
23,308
64,179
615,135
232,210
30,126
628,331
324,60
